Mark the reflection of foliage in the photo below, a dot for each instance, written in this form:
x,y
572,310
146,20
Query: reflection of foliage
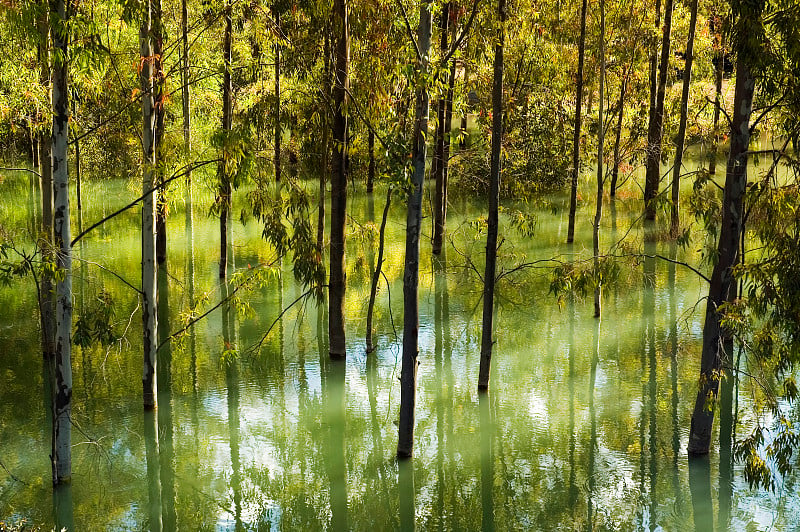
x,y
766,319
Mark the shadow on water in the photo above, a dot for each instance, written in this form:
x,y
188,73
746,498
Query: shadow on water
x,y
673,359
649,312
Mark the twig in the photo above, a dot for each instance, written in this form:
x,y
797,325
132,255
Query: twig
x,y
410,31
21,170
257,345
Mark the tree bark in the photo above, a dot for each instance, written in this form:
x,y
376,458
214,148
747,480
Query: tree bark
x,y
338,278
371,168
722,283
277,152
598,213
324,159
494,200
376,275
408,372
655,128
47,302
439,151
576,137
158,100
62,391
618,135
718,101
227,120
149,281
674,224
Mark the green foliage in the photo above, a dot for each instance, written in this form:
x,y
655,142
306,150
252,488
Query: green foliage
x,y
95,323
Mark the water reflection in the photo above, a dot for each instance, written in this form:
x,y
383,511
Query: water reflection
x,y
407,493
486,428
336,455
62,508
153,471
166,450
700,488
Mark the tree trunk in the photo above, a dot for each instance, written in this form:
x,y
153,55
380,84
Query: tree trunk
x,y
674,223
598,213
722,281
439,155
462,137
576,137
224,179
655,128
149,284
718,101
277,153
494,200
339,182
47,302
376,275
158,100
618,135
62,391
323,171
408,372
371,168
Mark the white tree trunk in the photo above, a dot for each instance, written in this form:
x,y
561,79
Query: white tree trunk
x,y
62,392
149,319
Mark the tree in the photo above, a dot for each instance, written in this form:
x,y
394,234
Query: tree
x,y
337,283
576,138
62,391
489,277
157,43
47,304
679,142
442,130
598,213
223,171
276,15
149,276
722,284
408,371
655,127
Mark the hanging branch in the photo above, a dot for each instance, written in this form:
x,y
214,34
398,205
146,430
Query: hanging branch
x,y
409,30
186,170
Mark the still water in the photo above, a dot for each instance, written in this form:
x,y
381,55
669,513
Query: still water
x,y
585,426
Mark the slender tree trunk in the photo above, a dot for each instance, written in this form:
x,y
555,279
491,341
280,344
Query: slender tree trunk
x,y
722,280
655,128
227,120
277,153
618,134
47,302
439,155
494,200
158,100
376,275
185,102
408,372
462,137
576,137
371,168
323,171
718,102
674,223
338,278
149,277
598,213
62,391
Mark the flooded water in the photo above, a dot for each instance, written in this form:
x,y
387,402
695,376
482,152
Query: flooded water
x,y
585,426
